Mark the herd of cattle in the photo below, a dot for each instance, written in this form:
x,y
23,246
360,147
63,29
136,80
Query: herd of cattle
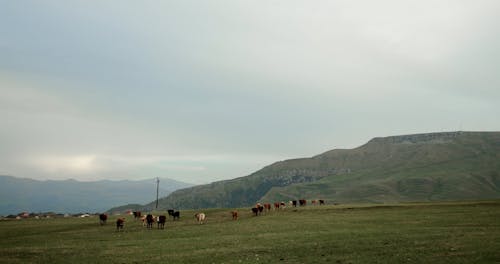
x,y
259,208
149,219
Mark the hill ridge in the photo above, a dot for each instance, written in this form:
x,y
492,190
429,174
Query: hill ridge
x,y
418,167
437,137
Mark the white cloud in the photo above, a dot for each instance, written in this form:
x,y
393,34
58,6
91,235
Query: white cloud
x,y
213,90
66,164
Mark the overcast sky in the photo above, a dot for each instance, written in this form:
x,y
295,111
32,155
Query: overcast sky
x,y
200,91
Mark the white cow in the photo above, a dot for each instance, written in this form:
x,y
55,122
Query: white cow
x,y
200,217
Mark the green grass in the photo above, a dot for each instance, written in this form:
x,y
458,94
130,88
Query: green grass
x,y
462,232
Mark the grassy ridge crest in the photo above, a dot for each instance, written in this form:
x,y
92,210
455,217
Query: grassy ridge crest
x,y
421,167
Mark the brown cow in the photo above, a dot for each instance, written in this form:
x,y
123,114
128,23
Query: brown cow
x,y
102,219
235,215
267,206
119,224
302,202
161,221
276,206
137,215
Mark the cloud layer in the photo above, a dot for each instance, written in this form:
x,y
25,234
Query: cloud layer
x,y
201,91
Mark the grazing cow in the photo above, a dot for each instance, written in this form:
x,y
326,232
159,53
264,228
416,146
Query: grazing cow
x,y
276,206
294,203
235,215
255,210
321,202
161,221
119,224
313,202
260,207
282,205
200,217
302,202
267,206
170,212
103,218
137,215
176,215
150,220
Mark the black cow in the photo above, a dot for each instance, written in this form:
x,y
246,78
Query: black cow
x,y
261,208
102,219
294,203
170,212
321,202
161,221
176,215
255,210
150,220
302,202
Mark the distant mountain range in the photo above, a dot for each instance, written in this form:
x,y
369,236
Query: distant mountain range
x,y
421,167
71,196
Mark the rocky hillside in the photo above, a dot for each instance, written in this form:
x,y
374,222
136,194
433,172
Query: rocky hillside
x,y
422,167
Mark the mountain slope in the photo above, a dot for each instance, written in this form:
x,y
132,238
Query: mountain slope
x,y
427,167
422,167
70,196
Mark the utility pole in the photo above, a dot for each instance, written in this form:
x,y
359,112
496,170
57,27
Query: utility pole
x,y
157,189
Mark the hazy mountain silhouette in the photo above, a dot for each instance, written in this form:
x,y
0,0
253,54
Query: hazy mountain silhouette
x,y
71,196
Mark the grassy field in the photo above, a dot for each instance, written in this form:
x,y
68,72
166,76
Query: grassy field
x,y
462,232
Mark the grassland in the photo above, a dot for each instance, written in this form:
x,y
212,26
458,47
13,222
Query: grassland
x,y
461,232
